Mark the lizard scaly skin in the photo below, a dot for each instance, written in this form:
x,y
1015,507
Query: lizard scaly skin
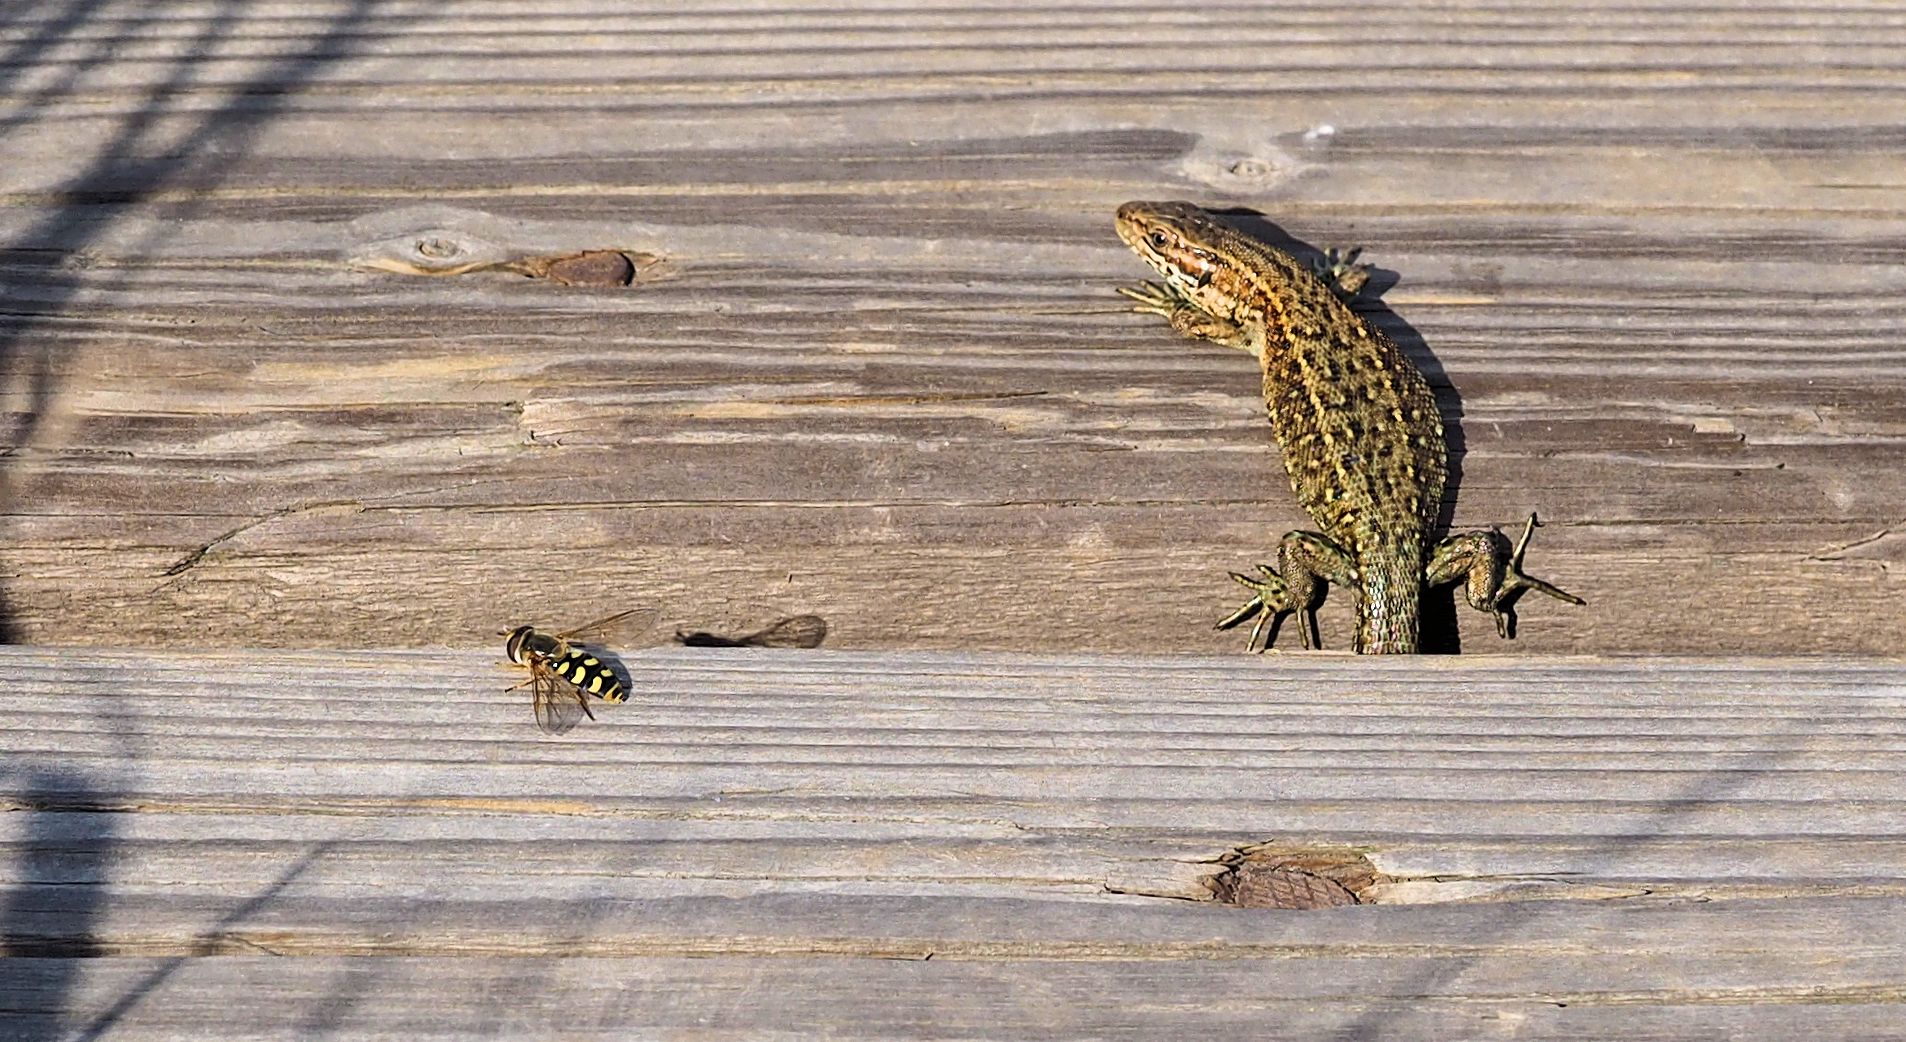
x,y
1360,432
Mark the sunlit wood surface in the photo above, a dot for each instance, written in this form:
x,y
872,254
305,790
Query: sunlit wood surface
x,y
313,335
929,845
871,366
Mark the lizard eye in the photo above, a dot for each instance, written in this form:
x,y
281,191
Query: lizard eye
x,y
1159,240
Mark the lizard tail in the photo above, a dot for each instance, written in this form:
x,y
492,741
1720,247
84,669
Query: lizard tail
x,y
1390,608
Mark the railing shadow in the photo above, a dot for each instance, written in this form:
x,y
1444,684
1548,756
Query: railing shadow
x,y
49,915
208,942
144,157
50,910
1522,923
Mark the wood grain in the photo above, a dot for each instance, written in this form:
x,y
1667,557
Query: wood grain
x,y
1651,256
884,845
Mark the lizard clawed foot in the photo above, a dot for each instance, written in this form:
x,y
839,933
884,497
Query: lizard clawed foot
x,y
1272,601
1341,272
1153,298
1515,580
1184,314
1493,571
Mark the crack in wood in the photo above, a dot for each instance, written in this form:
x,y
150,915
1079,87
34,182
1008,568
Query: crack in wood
x,y
191,560
1832,553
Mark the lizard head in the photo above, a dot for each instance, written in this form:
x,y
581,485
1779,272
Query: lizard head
x,y
1175,238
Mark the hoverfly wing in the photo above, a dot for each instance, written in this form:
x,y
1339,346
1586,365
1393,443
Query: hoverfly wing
x,y
624,627
559,704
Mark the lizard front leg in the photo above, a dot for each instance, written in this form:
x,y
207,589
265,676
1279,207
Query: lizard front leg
x,y
1306,560
1185,316
1494,572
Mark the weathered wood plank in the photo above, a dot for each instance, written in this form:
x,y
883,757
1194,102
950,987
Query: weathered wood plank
x,y
717,997
1080,774
838,844
1651,255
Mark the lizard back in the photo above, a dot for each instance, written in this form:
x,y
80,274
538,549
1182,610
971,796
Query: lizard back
x,y
1360,433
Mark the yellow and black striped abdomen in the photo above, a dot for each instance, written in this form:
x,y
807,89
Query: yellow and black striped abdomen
x,y
590,675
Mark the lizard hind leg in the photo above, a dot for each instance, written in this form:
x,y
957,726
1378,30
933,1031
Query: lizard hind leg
x,y
1341,272
1493,573
1306,560
1270,602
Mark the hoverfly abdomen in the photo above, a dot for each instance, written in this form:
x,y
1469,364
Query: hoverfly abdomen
x,y
588,673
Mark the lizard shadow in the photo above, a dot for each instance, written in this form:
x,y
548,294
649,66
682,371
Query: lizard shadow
x,y
1438,633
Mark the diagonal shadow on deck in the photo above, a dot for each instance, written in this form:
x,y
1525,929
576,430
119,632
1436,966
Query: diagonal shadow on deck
x,y
50,54
167,137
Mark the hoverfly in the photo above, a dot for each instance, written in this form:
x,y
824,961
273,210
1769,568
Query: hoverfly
x,y
562,678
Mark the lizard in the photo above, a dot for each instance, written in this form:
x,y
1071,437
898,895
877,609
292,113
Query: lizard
x,y
1361,436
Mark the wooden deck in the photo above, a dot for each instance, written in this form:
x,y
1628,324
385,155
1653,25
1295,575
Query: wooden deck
x,y
381,325
1651,254
931,845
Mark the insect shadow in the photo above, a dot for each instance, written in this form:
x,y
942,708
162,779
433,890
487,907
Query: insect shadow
x,y
795,631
